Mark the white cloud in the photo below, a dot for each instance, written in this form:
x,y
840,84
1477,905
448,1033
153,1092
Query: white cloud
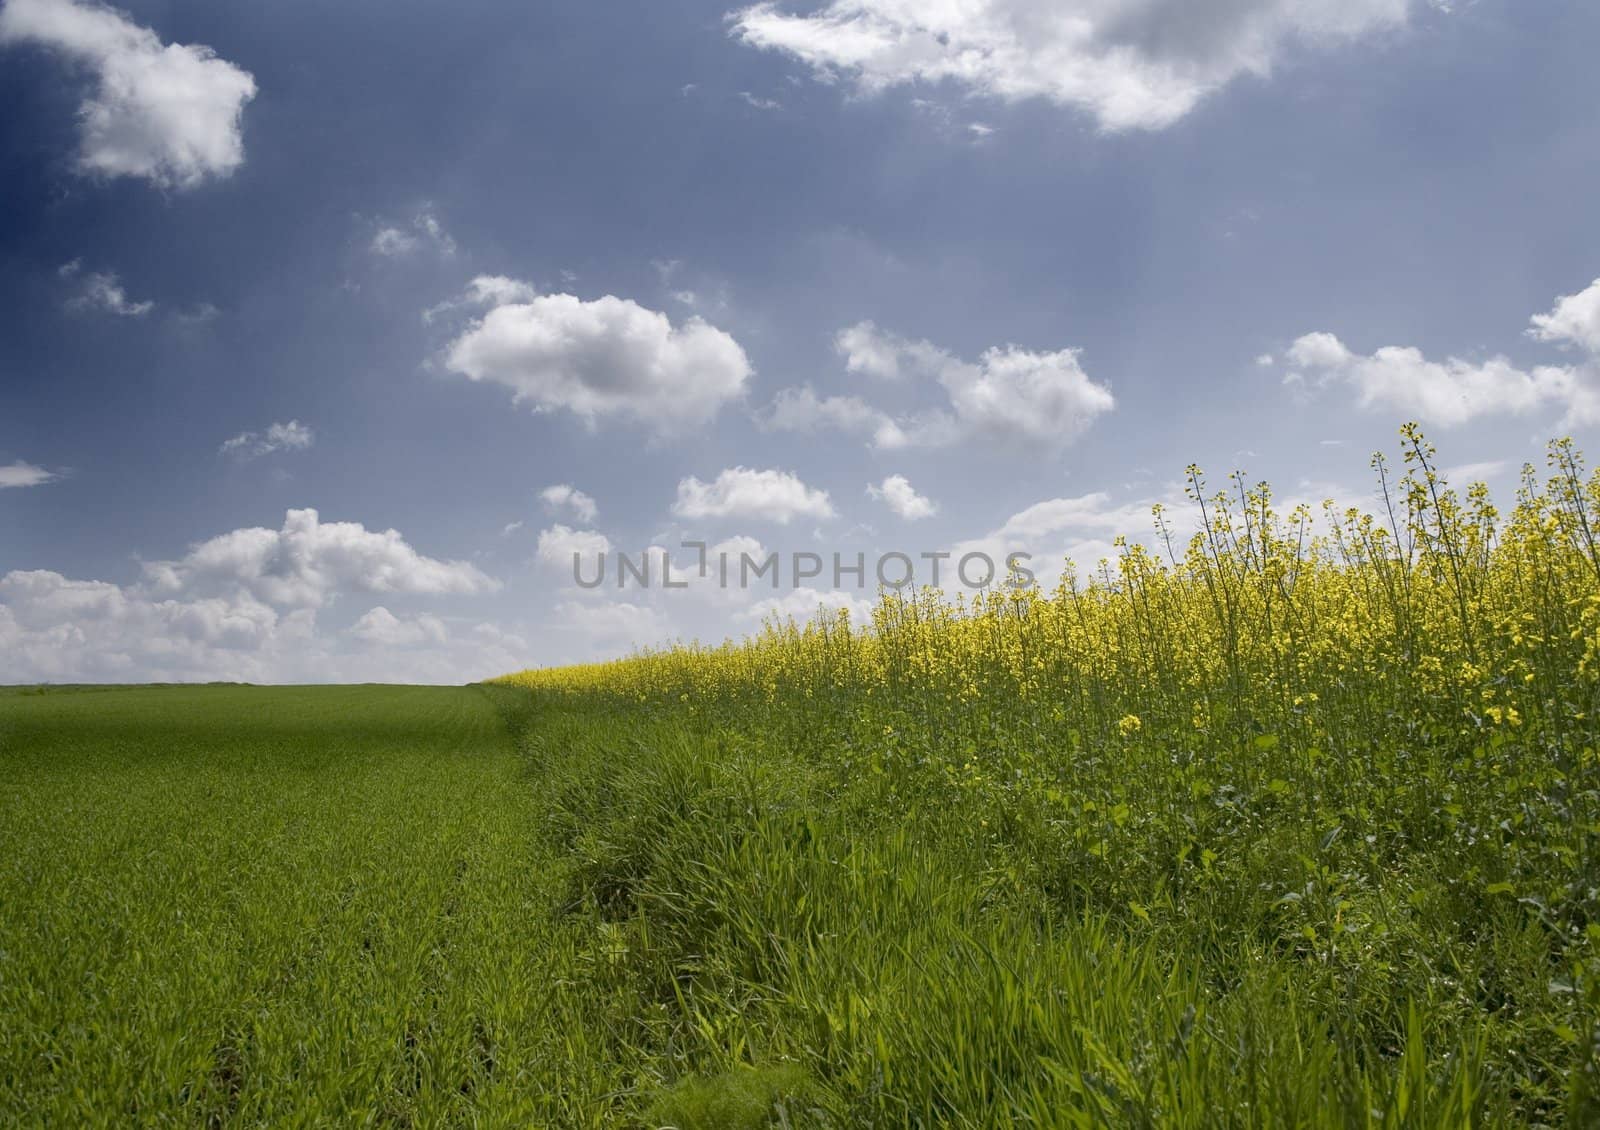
x,y
380,626
54,629
566,496
1454,391
607,358
760,103
1575,320
20,474
740,492
397,240
802,606
897,493
613,626
245,605
559,544
869,350
485,291
499,290
166,112
307,562
1079,529
1011,395
1446,393
1128,64
393,242
292,436
49,609
102,291
1044,398
713,576
801,410
1092,512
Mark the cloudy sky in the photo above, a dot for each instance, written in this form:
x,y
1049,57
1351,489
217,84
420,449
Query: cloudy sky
x,y
329,333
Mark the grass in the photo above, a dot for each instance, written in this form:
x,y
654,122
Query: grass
x,y
247,906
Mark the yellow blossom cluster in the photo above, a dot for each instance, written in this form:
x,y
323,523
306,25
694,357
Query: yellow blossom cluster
x,y
1433,609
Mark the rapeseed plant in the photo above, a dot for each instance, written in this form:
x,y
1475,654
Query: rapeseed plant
x,y
1312,798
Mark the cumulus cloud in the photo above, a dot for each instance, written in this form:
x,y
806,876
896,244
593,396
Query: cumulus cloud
x,y
739,492
1574,321
380,626
20,474
867,349
605,358
1086,512
1447,393
802,410
484,291
612,626
498,290
55,629
1010,395
396,240
169,113
102,291
897,493
559,545
803,605
293,436
245,605
1081,529
47,610
1128,64
308,561
565,496
1043,398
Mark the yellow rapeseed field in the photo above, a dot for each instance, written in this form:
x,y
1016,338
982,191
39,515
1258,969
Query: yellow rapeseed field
x,y
1438,610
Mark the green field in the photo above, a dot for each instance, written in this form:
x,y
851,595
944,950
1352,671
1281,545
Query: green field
x,y
495,906
231,905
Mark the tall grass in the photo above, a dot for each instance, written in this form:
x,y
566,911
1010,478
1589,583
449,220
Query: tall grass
x,y
1293,823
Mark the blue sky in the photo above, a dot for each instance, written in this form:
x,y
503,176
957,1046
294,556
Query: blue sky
x,y
831,278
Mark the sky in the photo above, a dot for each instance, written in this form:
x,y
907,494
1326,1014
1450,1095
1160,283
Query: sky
x,y
330,334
